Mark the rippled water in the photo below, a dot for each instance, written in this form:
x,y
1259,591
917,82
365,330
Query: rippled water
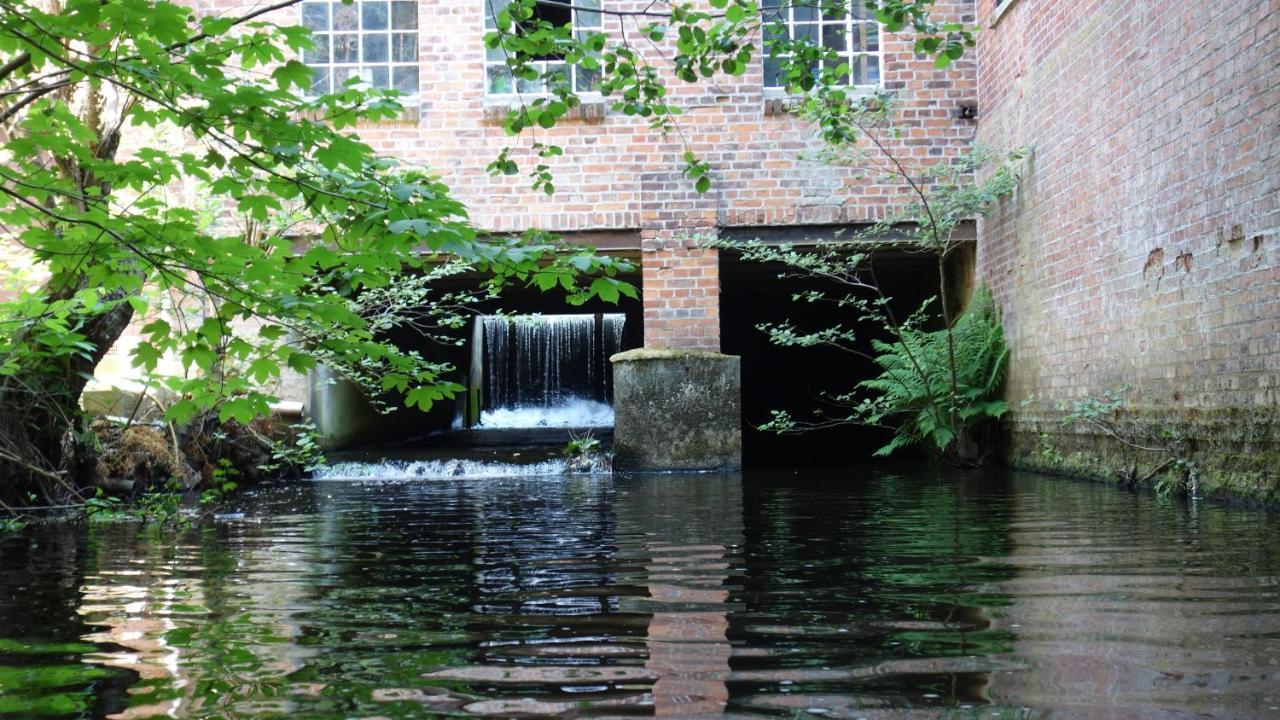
x,y
837,594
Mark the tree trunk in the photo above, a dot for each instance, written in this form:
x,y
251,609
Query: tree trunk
x,y
41,451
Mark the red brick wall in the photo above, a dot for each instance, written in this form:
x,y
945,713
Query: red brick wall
x,y
1143,246
616,173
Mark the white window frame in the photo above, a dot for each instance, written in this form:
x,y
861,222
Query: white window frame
x,y
581,24
998,11
363,69
851,24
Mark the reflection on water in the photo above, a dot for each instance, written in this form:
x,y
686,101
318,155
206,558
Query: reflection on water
x,y
818,594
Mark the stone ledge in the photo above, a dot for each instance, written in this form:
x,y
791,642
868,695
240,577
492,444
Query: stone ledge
x,y
589,111
657,353
1236,450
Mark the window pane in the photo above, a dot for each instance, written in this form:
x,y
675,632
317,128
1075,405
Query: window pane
x,y
558,76
319,55
500,81
872,75
585,79
529,86
346,48
404,47
405,79
319,81
378,76
805,13
772,72
557,13
345,17
315,16
861,12
871,35
373,15
835,37
585,18
775,28
404,15
807,34
375,47
341,75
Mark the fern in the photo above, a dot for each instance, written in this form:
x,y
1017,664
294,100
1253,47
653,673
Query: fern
x,y
915,392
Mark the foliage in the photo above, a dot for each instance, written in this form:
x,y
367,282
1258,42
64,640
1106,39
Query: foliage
x,y
221,486
299,453
306,220
160,508
580,447
915,376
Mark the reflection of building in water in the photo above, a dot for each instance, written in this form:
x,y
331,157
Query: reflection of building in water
x,y
692,527
1121,609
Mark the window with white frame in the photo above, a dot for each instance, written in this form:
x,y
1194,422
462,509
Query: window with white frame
x,y
579,15
843,27
373,40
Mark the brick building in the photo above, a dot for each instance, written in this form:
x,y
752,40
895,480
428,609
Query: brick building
x,y
1140,250
619,184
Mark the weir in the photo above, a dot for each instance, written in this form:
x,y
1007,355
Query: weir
x,y
542,371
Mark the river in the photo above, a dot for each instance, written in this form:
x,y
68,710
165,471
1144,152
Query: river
x,y
856,592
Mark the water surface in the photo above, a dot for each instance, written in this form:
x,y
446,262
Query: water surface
x,y
818,593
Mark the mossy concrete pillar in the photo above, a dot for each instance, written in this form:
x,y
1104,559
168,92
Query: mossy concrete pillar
x,y
676,410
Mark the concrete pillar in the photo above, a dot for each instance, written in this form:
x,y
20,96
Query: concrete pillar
x,y
676,410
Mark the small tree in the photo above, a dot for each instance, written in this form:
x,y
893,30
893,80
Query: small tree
x,y
940,367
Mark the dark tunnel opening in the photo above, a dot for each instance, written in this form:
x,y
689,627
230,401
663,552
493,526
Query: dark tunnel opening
x,y
795,378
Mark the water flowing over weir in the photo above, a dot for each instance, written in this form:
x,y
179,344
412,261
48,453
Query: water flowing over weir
x,y
530,371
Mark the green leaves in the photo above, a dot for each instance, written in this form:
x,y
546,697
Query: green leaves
x,y
343,152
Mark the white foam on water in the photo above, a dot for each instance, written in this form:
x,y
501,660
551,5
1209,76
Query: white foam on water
x,y
437,470
575,413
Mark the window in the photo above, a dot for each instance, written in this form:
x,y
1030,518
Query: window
x,y
374,40
998,11
577,15
854,36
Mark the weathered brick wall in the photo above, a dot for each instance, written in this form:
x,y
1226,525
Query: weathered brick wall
x,y
1143,246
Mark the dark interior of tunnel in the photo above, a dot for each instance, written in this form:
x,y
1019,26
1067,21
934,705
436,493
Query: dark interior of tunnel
x,y
794,379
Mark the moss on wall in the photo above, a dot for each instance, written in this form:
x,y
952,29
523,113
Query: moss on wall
x,y
1235,451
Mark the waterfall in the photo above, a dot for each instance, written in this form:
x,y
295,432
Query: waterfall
x,y
545,370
